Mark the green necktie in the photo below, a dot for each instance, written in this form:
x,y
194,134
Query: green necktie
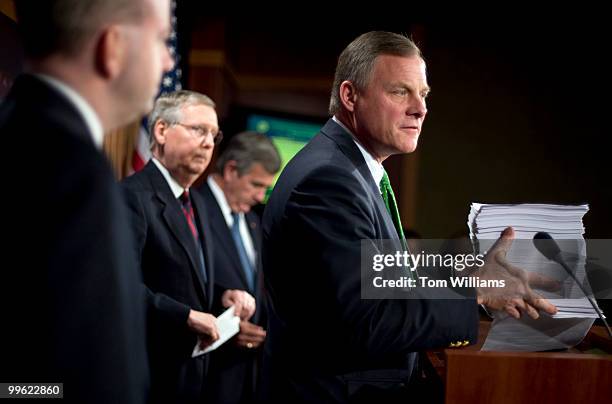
x,y
389,198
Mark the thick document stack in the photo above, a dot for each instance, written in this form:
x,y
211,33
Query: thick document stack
x,y
487,221
564,224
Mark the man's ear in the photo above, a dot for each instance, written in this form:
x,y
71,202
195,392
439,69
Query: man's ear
x,y
348,95
110,51
159,132
230,170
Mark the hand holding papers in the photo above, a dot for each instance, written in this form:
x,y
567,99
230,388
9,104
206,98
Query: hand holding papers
x,y
227,324
574,317
517,293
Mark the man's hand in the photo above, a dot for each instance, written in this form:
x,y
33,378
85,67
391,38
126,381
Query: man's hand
x,y
244,304
204,325
517,295
251,335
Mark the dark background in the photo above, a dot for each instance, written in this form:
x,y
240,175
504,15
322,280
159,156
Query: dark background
x,y
518,111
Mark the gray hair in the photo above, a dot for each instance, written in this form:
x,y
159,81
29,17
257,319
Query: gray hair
x,y
357,60
248,148
64,26
168,108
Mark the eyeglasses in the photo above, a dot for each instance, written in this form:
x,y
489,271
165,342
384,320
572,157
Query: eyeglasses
x,y
202,131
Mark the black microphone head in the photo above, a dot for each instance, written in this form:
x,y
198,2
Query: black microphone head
x,y
542,236
546,245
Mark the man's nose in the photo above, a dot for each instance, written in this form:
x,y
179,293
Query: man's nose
x,y
418,108
208,140
260,195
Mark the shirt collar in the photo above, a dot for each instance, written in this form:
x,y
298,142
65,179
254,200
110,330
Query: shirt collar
x,y
177,190
87,112
376,169
221,200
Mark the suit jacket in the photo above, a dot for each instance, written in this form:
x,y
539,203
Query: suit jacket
x,y
325,343
233,370
175,283
71,299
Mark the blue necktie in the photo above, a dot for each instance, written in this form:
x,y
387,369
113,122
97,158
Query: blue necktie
x,y
242,254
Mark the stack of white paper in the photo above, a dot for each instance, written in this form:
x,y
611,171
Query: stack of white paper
x,y
564,223
574,308
486,221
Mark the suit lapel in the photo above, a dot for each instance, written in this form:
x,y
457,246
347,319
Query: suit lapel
x,y
347,145
223,233
253,224
206,238
175,221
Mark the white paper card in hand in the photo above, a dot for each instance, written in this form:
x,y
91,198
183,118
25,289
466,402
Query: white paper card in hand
x,y
228,325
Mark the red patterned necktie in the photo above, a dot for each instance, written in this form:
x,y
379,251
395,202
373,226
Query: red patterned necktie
x,y
188,212
187,209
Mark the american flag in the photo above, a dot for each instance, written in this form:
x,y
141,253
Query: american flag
x,y
170,82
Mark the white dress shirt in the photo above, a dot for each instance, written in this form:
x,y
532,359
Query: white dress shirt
x,y
227,214
376,169
177,189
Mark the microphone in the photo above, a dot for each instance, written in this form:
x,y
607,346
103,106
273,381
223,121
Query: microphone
x,y
549,248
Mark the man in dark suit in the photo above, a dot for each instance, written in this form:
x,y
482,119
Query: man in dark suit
x,y
71,301
174,245
243,172
325,344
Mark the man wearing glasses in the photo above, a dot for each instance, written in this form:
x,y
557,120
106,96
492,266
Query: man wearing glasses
x,y
173,243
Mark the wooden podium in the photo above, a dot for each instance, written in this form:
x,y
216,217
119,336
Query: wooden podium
x,y
574,376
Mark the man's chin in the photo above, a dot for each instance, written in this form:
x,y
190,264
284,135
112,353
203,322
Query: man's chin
x,y
395,150
408,147
198,167
147,106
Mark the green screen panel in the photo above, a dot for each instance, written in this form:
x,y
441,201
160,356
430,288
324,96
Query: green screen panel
x,y
288,135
